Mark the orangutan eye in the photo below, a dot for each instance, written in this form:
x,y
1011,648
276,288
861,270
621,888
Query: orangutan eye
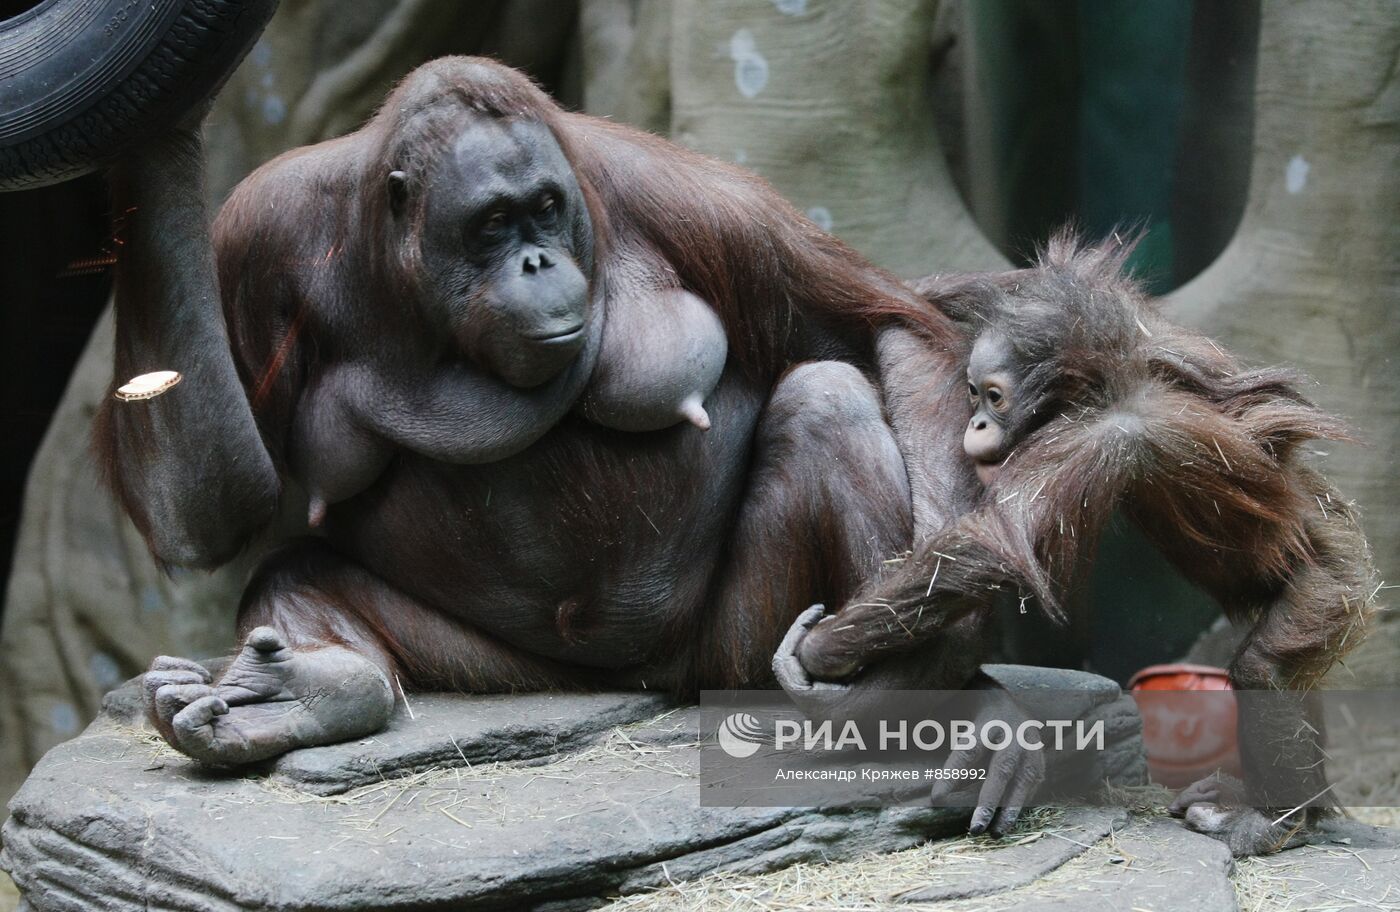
x,y
547,205
997,399
972,391
495,221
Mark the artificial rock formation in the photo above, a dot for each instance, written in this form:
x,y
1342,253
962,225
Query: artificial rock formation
x,y
548,801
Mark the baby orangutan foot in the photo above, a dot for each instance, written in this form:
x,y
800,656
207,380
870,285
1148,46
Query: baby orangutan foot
x,y
1215,807
272,699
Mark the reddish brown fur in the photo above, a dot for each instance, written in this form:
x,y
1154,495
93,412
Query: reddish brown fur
x,y
1203,453
301,242
825,482
337,603
293,237
1126,409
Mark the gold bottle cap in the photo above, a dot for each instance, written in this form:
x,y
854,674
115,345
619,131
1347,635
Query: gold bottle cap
x,y
147,386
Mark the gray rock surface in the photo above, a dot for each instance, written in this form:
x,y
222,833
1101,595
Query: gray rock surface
x,y
559,803
1346,865
497,729
551,801
1153,864
1024,860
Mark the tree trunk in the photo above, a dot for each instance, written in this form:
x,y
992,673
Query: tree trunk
x,y
626,47
1311,277
830,102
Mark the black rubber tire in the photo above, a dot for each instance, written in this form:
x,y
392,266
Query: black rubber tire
x,y
80,80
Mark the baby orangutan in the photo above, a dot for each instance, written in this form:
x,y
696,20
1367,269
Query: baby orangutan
x,y
1084,399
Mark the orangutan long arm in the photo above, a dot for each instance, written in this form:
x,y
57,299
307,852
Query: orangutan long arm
x,y
188,465
1208,474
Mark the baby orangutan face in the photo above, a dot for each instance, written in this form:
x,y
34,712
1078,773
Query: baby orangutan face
x,y
991,384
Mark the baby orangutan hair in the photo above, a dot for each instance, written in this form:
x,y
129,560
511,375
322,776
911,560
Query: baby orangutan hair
x,y
1085,399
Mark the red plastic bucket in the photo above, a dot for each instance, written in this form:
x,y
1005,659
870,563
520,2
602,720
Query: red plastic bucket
x,y
1189,720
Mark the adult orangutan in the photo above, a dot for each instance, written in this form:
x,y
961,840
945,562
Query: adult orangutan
x,y
573,407
562,395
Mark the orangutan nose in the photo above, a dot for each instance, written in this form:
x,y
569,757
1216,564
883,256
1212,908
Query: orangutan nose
x,y
535,260
982,441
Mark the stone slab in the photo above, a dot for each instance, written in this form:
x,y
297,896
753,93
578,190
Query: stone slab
x,y
115,820
443,731
1346,865
1023,860
550,801
1152,865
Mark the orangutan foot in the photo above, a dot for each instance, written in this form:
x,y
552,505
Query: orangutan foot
x,y
272,699
1215,807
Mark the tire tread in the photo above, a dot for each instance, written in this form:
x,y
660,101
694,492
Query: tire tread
x,y
202,45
